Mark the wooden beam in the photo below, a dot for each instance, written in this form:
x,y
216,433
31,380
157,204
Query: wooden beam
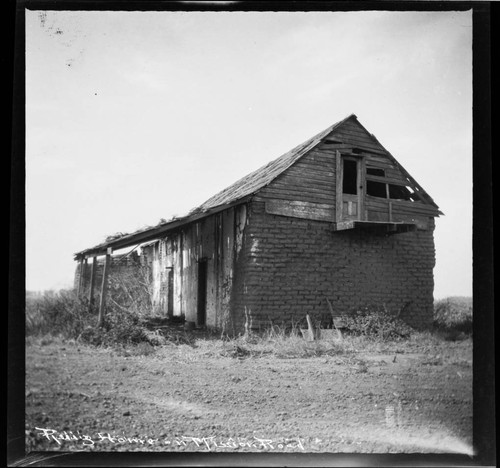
x,y
104,287
83,263
300,209
92,281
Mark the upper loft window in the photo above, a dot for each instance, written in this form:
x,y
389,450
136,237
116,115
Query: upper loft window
x,y
375,171
392,191
350,177
399,192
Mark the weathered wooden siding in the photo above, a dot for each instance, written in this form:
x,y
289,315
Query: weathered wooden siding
x,y
217,240
312,179
308,188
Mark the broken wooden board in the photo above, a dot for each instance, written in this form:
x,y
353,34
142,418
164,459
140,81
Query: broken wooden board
x,y
299,209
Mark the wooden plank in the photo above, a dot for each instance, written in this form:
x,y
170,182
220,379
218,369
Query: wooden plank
x,y
292,195
376,202
368,151
316,156
312,168
353,129
359,141
104,287
307,184
322,175
379,161
299,187
300,209
400,206
415,208
343,225
388,180
373,215
314,159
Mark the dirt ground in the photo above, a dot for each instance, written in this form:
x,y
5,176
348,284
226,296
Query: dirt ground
x,y
180,398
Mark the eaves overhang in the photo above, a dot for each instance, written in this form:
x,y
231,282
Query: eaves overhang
x,y
154,233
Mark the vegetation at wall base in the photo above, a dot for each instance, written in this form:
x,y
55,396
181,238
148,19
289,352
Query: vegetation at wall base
x,y
65,315
378,323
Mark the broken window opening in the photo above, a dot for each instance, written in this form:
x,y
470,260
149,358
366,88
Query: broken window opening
x,y
375,171
350,177
400,192
376,189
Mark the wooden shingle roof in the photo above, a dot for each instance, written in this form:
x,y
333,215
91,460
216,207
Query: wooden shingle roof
x,y
263,176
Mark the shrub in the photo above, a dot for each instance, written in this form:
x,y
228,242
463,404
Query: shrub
x,y
122,327
377,322
453,315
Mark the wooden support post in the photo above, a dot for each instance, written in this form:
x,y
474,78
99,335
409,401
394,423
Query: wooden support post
x,y
104,287
92,281
390,212
80,279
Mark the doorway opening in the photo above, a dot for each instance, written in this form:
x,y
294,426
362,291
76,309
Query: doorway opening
x,y
202,293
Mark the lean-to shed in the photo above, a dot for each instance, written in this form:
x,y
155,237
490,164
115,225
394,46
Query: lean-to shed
x,y
335,218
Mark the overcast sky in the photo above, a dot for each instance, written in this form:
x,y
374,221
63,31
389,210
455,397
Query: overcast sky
x,y
136,116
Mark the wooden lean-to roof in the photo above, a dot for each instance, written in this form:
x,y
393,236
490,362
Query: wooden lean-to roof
x,y
241,191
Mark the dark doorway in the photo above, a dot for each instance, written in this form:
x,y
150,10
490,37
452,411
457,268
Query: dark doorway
x,y
170,292
350,179
202,292
351,189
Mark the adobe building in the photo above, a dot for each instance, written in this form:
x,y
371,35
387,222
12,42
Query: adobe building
x,y
335,218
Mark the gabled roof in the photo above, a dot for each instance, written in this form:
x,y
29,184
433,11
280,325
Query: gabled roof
x,y
235,194
263,176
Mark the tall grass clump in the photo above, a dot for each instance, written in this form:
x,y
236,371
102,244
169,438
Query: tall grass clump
x,y
453,315
57,313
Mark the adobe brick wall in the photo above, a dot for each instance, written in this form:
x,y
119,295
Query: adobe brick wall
x,y
289,266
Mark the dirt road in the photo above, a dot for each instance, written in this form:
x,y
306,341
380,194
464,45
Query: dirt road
x,y
186,399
